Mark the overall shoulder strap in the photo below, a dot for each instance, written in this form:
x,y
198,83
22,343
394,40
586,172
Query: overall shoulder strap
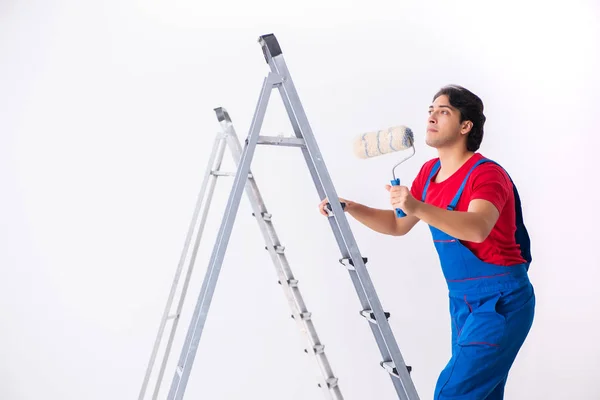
x,y
454,201
434,171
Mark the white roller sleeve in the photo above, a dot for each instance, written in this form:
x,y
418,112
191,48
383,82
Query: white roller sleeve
x,y
372,144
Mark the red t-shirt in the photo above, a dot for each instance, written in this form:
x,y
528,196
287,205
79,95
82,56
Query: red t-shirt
x,y
490,182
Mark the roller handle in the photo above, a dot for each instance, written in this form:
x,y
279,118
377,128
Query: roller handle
x,y
399,212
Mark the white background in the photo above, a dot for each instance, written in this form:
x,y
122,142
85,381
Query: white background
x,y
106,125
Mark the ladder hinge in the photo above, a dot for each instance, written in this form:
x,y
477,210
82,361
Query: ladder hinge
x,y
348,263
370,315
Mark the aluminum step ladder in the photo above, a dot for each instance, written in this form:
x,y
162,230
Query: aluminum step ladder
x,y
371,308
228,139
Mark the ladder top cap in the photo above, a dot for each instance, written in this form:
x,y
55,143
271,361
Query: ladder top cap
x,y
222,114
269,43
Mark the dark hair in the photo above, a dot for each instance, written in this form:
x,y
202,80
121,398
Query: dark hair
x,y
471,109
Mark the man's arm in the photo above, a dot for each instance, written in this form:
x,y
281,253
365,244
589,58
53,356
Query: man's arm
x,y
382,221
491,188
473,225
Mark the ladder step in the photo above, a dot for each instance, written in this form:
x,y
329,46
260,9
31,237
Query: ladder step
x,y
173,316
370,315
331,383
317,349
223,173
348,263
305,316
291,282
391,369
281,141
278,249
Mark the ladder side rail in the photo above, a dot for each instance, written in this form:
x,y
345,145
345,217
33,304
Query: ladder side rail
x,y
196,326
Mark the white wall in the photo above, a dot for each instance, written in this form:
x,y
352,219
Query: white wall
x,y
106,124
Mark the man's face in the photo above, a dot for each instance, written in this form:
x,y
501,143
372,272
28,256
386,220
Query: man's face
x,y
443,126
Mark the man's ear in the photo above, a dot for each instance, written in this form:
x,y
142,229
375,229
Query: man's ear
x,y
466,127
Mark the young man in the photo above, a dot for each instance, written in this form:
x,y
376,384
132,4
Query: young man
x,y
474,214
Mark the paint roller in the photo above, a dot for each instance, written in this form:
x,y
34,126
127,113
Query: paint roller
x,y
385,141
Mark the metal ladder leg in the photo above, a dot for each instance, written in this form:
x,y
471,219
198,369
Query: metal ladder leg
x,y
328,382
196,326
392,357
209,183
228,138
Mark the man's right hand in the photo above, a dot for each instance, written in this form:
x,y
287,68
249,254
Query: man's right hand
x,y
323,205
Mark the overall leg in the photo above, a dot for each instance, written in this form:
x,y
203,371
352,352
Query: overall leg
x,y
487,343
518,308
498,392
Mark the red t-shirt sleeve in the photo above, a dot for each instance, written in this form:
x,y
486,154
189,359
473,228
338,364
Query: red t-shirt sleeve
x,y
491,183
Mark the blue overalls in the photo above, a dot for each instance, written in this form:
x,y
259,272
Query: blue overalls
x,y
491,309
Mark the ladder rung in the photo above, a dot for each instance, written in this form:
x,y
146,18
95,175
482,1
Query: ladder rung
x,y
224,173
317,349
291,282
391,369
348,263
281,141
278,249
173,316
330,382
305,316
370,315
